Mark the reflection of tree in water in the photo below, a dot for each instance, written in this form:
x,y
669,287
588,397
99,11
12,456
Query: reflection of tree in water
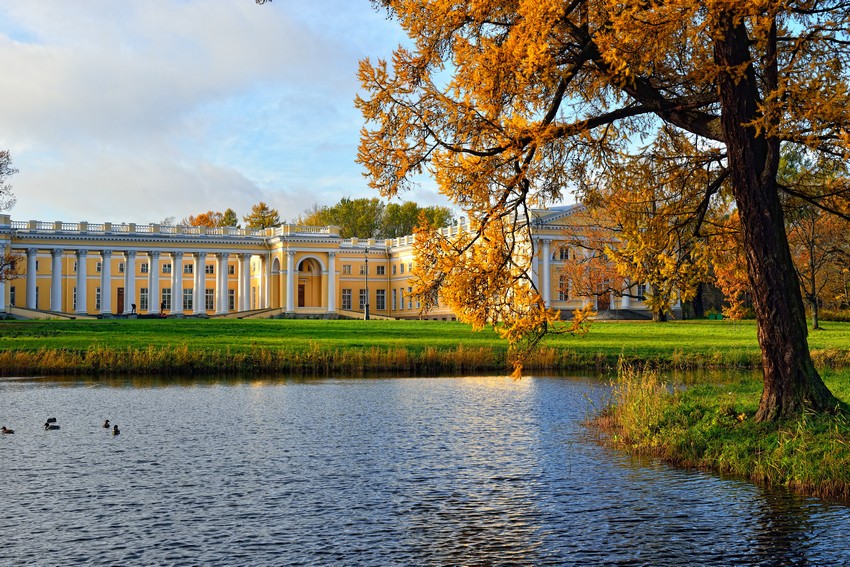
x,y
782,528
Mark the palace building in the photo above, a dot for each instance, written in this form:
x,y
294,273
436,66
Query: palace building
x,y
103,270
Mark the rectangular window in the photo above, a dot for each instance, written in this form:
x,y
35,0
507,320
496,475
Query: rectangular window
x,y
75,266
640,290
165,299
209,299
97,298
188,299
346,268
120,267
36,266
401,298
12,296
144,299
231,269
380,270
346,299
563,288
143,269
381,299
394,269
36,298
410,267
74,301
395,298
188,269
253,298
410,298
362,270
231,299
209,269
563,253
166,268
402,268
362,299
98,268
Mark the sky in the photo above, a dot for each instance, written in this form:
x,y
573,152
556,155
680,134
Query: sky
x,y
140,110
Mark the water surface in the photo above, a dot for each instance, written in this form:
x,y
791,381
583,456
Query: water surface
x,y
407,471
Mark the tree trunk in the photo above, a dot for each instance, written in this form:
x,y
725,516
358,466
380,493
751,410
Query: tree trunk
x,y
698,304
791,382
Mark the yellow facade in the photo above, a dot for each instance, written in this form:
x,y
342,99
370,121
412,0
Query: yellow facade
x,y
286,270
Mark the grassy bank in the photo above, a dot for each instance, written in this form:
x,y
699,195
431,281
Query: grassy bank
x,y
710,426
323,347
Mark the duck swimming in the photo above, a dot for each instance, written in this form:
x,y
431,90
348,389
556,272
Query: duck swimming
x,y
106,424
50,426
6,430
115,431
51,420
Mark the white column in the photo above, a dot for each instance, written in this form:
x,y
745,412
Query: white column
x,y
31,258
153,283
56,280
535,263
177,283
626,301
244,282
221,283
331,282
200,282
82,307
262,282
290,281
106,282
129,281
547,269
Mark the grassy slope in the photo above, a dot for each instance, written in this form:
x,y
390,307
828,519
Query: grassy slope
x,y
710,425
677,344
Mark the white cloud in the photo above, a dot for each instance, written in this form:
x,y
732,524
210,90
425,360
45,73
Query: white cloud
x,y
140,110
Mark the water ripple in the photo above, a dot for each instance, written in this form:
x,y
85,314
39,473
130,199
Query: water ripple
x,y
450,471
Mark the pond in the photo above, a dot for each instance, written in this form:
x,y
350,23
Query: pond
x,y
387,471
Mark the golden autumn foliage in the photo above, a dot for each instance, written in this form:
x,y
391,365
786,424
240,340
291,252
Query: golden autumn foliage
x,y
508,103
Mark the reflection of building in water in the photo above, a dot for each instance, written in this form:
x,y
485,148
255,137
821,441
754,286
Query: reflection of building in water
x,y
288,269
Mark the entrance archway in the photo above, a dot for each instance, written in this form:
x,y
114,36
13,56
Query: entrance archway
x,y
274,284
309,284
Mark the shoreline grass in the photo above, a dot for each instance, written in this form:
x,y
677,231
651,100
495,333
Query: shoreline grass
x,y
321,347
710,426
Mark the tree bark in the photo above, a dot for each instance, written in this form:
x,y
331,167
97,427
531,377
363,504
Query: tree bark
x,y
791,382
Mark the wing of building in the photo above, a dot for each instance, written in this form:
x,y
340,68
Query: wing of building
x,y
155,270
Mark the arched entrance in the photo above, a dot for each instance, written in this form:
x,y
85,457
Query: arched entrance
x,y
309,284
274,284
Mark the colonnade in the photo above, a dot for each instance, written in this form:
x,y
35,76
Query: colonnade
x,y
155,281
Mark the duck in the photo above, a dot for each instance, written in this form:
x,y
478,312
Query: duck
x,y
50,426
106,424
51,420
6,430
115,430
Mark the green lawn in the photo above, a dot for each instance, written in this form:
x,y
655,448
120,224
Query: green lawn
x,y
683,344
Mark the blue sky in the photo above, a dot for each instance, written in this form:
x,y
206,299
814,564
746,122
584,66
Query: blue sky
x,y
146,109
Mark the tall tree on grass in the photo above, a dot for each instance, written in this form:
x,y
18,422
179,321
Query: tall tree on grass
x,y
8,259
817,238
506,102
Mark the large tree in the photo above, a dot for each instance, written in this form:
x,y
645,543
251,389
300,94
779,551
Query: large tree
x,y
507,102
371,218
262,216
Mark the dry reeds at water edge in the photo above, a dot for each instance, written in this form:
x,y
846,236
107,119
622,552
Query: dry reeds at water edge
x,y
710,426
313,360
